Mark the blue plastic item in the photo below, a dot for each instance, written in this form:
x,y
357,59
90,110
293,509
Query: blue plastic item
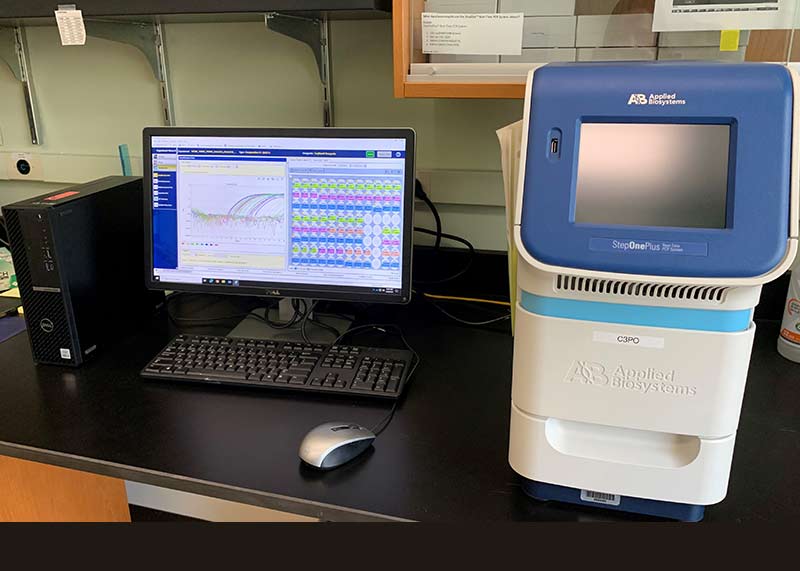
x,y
755,100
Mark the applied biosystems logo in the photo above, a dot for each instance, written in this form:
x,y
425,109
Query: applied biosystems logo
x,y
645,381
658,99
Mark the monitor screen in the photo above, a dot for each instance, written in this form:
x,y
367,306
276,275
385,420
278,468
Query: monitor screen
x,y
650,174
317,216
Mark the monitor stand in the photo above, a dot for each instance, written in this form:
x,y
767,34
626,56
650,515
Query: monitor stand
x,y
257,329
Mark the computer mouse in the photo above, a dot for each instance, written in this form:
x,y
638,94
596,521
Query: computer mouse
x,y
332,444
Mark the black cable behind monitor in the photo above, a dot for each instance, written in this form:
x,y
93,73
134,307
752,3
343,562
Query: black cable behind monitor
x,y
420,193
459,273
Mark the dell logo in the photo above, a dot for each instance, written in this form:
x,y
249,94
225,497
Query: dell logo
x,y
273,292
637,99
46,325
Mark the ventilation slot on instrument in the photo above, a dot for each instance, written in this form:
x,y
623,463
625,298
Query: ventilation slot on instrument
x,y
714,294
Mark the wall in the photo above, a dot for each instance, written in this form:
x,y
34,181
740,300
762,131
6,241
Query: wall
x,y
456,139
95,97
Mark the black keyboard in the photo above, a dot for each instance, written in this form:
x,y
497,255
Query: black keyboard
x,y
342,369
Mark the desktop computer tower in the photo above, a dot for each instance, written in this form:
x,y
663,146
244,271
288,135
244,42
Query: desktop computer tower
x,y
79,258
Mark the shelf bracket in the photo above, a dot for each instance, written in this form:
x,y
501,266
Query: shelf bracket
x,y
14,52
315,33
148,38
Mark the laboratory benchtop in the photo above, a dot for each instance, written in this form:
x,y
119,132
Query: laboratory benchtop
x,y
443,457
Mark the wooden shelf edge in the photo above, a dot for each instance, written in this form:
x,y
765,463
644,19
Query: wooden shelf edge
x,y
401,55
400,40
465,90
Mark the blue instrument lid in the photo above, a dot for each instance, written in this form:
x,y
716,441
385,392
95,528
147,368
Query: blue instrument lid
x,y
754,100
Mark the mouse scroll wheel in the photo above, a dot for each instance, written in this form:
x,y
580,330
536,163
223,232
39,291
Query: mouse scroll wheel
x,y
346,427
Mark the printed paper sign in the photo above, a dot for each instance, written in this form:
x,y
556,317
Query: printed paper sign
x,y
472,34
70,27
694,15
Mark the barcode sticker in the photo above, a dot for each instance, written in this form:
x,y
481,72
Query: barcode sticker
x,y
600,498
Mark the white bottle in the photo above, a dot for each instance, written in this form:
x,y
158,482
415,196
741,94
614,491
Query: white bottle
x,y
789,339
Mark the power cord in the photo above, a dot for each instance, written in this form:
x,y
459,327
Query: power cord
x,y
431,297
469,299
420,193
459,273
325,326
438,234
301,315
385,328
307,317
298,315
464,321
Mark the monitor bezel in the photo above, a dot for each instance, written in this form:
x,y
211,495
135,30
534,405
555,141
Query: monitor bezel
x,y
282,289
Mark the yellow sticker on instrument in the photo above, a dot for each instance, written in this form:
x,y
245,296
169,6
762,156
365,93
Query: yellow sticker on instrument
x,y
728,40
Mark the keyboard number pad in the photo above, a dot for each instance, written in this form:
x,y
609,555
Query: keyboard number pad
x,y
379,375
341,357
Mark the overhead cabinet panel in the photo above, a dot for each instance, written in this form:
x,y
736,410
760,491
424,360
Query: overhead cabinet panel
x,y
45,8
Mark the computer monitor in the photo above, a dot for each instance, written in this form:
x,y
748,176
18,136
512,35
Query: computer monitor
x,y
314,213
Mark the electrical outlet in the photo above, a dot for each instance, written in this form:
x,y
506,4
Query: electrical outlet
x,y
24,166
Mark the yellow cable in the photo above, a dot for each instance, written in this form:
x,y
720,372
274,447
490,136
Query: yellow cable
x,y
475,299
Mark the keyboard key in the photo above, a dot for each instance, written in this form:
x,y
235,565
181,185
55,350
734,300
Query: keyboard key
x,y
299,370
218,375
